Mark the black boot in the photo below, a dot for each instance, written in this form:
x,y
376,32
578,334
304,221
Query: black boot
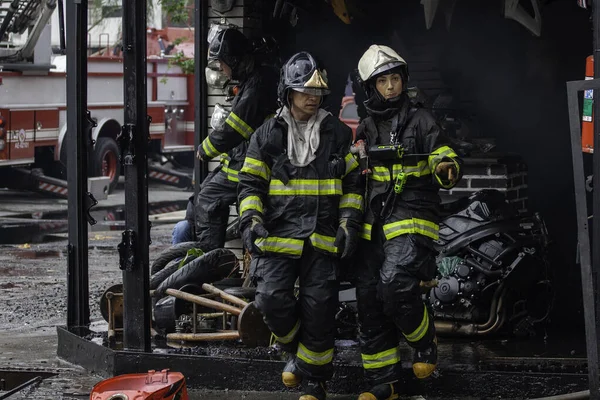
x,y
425,360
314,390
290,376
385,391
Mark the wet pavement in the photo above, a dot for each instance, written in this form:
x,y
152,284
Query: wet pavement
x,y
33,294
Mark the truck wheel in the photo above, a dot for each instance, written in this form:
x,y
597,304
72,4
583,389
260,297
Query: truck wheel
x,y
105,161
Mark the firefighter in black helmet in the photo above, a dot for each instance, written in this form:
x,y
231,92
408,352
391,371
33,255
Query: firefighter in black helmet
x,y
301,209
230,56
409,161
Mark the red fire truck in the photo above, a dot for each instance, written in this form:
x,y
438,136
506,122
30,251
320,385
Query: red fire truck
x,y
33,108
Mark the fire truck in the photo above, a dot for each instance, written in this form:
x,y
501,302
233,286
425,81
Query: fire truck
x,y
33,108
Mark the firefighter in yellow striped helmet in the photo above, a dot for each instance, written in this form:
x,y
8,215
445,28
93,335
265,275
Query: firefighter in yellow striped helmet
x,y
409,161
301,207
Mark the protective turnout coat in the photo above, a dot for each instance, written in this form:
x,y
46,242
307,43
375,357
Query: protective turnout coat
x,y
255,102
299,203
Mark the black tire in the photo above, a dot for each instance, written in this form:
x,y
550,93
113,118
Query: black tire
x,y
173,252
167,271
106,161
210,267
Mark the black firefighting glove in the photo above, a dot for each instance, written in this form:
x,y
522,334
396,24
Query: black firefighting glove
x,y
253,230
346,239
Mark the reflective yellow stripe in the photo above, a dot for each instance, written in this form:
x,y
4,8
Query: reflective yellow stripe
x,y
351,163
312,357
381,174
382,359
412,225
274,244
232,174
438,155
366,231
323,242
251,203
290,336
239,125
421,169
352,200
306,187
256,167
209,148
418,333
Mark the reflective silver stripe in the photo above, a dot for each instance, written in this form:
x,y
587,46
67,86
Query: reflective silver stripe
x,y
323,242
382,359
352,200
381,174
421,330
274,244
256,167
421,169
239,125
251,203
209,148
290,336
366,231
412,225
307,187
312,357
351,163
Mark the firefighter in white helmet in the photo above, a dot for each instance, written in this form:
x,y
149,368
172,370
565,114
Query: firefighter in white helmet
x,y
409,161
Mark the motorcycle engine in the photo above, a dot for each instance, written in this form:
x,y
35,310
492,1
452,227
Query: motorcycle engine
x,y
457,291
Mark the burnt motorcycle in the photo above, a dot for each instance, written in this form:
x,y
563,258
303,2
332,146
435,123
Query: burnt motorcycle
x,y
493,273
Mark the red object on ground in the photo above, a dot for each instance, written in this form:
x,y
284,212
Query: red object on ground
x,y
163,385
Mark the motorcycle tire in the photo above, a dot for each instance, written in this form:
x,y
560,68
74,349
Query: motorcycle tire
x,y
209,267
167,271
173,252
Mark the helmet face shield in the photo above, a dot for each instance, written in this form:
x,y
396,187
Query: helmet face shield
x,y
300,69
215,77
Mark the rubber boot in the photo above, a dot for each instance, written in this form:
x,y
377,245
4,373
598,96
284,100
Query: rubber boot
x,y
425,360
314,390
385,391
290,376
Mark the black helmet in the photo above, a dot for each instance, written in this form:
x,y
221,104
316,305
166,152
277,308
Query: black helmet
x,y
302,73
229,46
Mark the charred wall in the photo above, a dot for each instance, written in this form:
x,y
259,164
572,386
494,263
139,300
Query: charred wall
x,y
511,81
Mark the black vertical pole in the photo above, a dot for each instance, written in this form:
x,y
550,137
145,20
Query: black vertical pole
x,y
593,364
77,142
133,250
200,95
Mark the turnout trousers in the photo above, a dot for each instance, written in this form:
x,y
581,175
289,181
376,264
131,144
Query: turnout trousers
x,y
304,326
390,306
211,210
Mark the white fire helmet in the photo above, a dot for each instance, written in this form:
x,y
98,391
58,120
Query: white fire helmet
x,y
378,59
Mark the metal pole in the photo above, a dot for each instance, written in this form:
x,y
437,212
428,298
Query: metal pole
x,y
133,250
583,235
594,380
77,142
201,109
